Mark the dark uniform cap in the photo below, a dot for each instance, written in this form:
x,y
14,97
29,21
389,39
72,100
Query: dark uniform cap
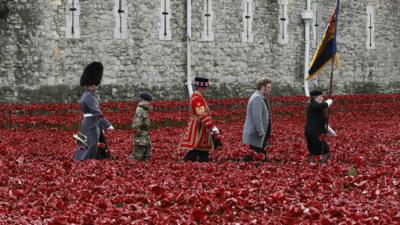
x,y
146,96
201,82
315,93
92,74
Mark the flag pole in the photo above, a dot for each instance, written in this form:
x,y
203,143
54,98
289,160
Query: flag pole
x,y
330,89
329,95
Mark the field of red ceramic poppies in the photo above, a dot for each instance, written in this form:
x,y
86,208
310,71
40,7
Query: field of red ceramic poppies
x,y
40,184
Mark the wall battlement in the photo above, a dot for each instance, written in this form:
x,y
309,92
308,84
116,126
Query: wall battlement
x,y
41,60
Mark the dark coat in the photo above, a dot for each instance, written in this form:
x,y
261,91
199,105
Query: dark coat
x,y
91,126
315,126
316,119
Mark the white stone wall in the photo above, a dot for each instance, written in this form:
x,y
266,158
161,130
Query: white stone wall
x,y
38,62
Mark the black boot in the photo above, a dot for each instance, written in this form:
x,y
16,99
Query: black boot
x,y
325,158
266,158
247,158
311,160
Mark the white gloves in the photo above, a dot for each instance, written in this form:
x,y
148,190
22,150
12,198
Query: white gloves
x,y
110,127
329,101
215,130
331,132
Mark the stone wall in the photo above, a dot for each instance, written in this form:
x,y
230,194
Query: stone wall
x,y
38,64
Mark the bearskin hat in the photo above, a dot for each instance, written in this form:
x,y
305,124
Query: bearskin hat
x,y
92,74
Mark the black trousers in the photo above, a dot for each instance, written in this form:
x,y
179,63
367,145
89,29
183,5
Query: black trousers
x,y
257,149
103,153
260,150
315,146
193,154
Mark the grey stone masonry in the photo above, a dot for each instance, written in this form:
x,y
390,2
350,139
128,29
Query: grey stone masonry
x,y
39,64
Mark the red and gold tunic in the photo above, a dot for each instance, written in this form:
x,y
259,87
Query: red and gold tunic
x,y
198,131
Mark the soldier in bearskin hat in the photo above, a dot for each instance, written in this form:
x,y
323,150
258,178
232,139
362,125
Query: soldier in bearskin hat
x,y
197,138
316,127
93,121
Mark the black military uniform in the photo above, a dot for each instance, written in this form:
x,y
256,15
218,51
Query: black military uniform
x,y
315,127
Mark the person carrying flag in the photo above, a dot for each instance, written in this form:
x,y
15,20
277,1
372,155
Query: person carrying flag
x,y
316,127
317,124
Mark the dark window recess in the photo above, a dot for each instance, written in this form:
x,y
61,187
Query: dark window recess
x,y
3,11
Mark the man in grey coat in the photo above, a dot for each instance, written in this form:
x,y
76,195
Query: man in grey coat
x,y
257,126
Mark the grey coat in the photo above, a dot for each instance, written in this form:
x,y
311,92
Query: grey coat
x,y
257,121
91,126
